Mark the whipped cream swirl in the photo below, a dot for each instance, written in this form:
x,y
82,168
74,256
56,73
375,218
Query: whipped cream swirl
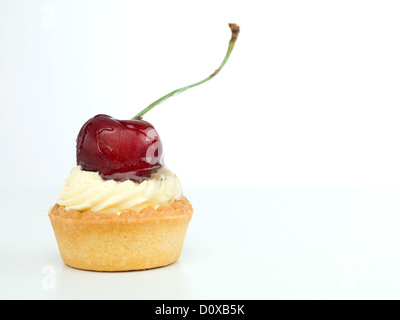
x,y
86,190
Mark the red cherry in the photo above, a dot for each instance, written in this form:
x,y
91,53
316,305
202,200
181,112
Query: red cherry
x,y
119,149
129,149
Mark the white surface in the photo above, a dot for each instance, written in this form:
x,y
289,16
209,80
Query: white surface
x,y
242,243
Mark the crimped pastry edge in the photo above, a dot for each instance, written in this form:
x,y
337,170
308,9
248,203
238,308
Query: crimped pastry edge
x,y
177,210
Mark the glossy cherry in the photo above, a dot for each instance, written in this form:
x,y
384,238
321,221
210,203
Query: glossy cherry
x,y
119,149
129,149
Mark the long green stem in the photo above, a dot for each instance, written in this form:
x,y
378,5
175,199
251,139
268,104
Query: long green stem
x,y
235,32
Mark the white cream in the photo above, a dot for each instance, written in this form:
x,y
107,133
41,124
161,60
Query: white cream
x,y
86,190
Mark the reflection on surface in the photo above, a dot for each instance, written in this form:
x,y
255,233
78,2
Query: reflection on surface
x,y
160,283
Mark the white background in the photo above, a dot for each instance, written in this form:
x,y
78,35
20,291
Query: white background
x,y
292,150
310,95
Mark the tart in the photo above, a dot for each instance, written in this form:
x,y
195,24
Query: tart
x,y
121,209
119,235
130,241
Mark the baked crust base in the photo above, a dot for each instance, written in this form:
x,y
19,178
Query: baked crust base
x,y
130,241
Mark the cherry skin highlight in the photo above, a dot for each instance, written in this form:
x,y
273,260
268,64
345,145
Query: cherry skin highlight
x,y
119,149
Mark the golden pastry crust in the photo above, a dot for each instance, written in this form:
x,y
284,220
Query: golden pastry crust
x,y
130,241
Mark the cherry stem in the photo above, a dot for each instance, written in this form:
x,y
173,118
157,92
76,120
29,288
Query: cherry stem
x,y
235,32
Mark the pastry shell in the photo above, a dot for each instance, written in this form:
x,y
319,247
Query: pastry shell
x,y
129,241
